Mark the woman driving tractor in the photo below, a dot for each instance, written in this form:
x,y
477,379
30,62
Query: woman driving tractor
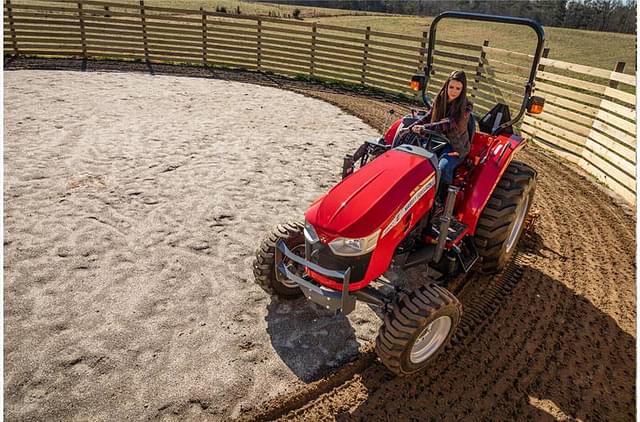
x,y
382,216
450,115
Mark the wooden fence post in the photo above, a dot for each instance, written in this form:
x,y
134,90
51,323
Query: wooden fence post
x,y
618,69
365,54
423,51
312,57
545,54
479,69
12,28
83,38
421,56
259,45
144,31
204,36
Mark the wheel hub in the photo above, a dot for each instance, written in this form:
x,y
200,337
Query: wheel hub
x,y
430,339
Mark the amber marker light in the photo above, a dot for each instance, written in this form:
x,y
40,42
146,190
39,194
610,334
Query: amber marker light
x,y
536,104
417,82
536,109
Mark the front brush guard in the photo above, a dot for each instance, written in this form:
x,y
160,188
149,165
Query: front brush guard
x,y
330,299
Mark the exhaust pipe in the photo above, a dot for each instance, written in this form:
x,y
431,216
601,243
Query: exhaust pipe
x,y
445,222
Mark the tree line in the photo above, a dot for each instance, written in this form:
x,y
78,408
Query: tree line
x,y
596,15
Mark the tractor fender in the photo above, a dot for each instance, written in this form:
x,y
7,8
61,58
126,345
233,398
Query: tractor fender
x,y
485,178
391,133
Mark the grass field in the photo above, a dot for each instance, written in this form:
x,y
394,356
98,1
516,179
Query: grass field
x,y
590,48
247,8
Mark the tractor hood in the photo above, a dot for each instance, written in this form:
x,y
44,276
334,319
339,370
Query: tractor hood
x,y
361,203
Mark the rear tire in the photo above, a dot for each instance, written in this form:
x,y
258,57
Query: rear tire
x,y
264,265
417,329
502,221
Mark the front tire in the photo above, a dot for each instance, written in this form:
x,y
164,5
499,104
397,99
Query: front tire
x,y
502,221
264,266
417,329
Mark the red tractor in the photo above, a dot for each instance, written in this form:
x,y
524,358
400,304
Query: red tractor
x,y
380,217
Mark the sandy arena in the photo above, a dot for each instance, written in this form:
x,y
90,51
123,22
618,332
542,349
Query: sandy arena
x,y
133,207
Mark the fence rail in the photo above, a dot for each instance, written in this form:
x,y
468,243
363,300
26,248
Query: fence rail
x,y
589,117
591,123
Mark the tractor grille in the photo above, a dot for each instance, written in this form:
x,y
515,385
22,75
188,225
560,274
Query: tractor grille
x,y
321,254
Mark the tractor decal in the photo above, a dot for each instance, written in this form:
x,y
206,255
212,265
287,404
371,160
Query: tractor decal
x,y
416,195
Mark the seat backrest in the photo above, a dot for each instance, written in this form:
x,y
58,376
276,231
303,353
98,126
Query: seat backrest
x,y
463,170
471,126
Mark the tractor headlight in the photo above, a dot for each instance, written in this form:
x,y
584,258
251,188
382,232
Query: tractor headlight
x,y
310,233
354,247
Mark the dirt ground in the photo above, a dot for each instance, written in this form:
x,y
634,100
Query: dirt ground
x,y
128,292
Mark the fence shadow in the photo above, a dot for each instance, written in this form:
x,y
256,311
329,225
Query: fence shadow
x,y
550,354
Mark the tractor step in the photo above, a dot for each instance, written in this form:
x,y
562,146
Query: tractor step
x,y
467,254
456,229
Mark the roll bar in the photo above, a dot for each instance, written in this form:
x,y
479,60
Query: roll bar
x,y
489,18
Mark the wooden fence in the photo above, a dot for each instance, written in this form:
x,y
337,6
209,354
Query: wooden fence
x,y
589,122
88,28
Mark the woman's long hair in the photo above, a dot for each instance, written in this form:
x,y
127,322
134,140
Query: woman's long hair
x,y
456,108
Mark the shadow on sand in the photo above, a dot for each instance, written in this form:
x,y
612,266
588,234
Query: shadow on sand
x,y
549,354
310,341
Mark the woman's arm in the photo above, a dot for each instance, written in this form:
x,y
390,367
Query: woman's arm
x,y
449,124
443,125
440,126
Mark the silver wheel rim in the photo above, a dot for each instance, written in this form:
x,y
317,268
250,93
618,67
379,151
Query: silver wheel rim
x,y
430,339
517,226
293,267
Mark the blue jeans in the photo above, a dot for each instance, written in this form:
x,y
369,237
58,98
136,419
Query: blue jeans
x,y
447,165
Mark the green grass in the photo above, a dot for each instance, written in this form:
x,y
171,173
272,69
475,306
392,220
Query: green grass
x,y
263,9
246,8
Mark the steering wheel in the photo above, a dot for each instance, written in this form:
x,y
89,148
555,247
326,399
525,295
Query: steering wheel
x,y
433,141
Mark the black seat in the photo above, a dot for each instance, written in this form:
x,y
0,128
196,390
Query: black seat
x,y
467,165
471,127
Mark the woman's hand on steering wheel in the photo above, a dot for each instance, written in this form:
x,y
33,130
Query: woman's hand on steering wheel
x,y
432,140
425,133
